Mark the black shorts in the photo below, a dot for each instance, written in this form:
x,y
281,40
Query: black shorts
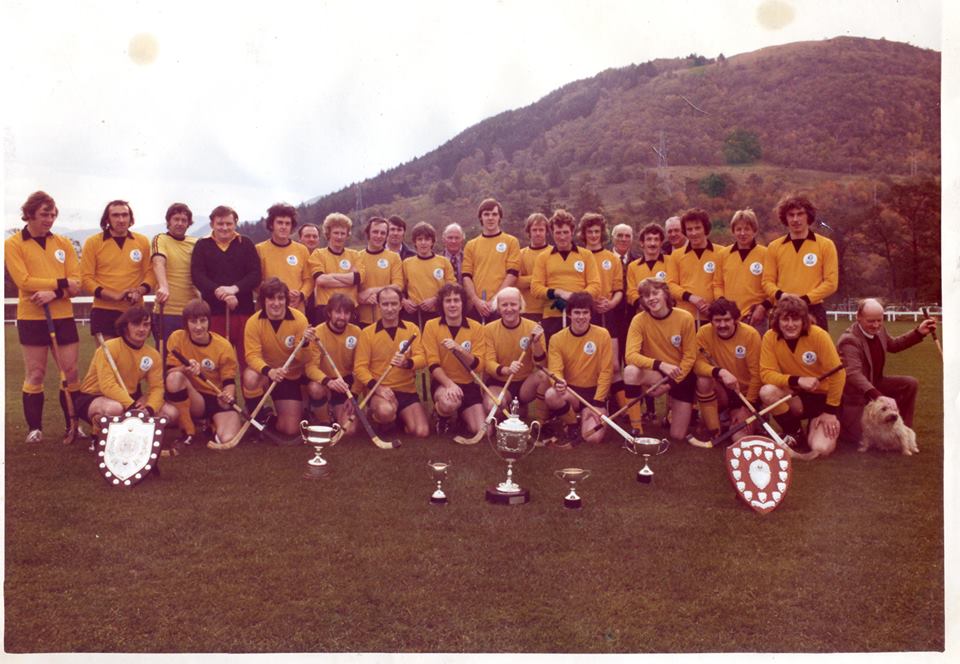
x,y
609,320
289,389
551,325
35,332
497,385
339,398
685,390
102,321
814,404
405,399
211,405
588,394
82,401
471,395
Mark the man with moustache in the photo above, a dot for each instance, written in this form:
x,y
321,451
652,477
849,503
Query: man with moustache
x,y
339,337
283,258
115,268
170,257
381,268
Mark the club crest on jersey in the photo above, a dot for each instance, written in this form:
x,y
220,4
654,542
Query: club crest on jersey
x,y
466,345
351,342
501,247
810,260
207,364
383,263
589,348
661,276
579,266
709,267
145,363
756,268
675,340
524,343
344,264
438,273
740,352
809,357
289,341
60,255
136,256
292,260
606,264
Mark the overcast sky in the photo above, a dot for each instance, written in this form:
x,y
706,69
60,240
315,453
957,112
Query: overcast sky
x,y
209,102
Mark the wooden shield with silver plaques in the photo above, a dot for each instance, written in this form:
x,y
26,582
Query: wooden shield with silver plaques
x,y
760,472
128,447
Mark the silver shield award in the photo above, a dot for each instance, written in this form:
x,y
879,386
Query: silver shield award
x,y
128,447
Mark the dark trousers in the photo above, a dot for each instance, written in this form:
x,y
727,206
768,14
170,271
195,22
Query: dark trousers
x,y
903,390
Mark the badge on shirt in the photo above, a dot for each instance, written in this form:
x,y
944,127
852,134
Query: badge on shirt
x,y
709,267
501,247
351,342
136,256
207,364
740,352
466,345
809,357
524,343
291,260
438,273
383,263
579,266
606,264
675,340
756,268
60,255
589,348
661,276
344,264
145,363
810,260
290,341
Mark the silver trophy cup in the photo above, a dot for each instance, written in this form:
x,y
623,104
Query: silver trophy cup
x,y
320,436
438,471
514,440
572,476
647,447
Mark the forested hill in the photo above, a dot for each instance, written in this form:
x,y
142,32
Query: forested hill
x,y
845,105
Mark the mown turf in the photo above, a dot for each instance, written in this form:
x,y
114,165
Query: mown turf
x,y
233,551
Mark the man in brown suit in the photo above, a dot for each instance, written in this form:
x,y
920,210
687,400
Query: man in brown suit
x,y
863,348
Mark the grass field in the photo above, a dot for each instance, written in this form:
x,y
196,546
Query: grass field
x,y
233,551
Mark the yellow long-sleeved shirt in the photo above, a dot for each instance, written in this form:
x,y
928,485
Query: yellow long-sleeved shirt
x,y
380,269
575,271
469,336
342,348
671,339
739,276
610,270
323,260
528,256
290,263
740,355
377,347
487,260
268,348
812,354
217,359
690,272
115,263
37,264
423,277
808,268
503,345
133,364
584,360
639,270
176,255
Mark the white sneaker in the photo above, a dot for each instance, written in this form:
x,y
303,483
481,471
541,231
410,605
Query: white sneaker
x,y
81,432
35,436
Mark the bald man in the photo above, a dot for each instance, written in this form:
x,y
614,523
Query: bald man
x,y
863,348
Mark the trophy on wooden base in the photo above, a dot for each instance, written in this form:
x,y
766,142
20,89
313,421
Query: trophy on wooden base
x,y
438,470
320,436
647,447
514,440
572,475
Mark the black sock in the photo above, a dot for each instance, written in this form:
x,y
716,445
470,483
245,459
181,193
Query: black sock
x,y
33,410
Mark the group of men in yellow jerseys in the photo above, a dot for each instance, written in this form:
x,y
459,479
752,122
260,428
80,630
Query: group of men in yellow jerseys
x,y
682,318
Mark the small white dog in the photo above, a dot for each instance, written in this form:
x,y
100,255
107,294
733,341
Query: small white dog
x,y
884,430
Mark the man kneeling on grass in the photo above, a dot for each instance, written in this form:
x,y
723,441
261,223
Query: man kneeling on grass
x,y
581,355
339,337
270,337
793,354
377,351
100,392
662,342
211,360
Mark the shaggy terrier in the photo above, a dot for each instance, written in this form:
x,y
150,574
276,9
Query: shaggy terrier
x,y
883,429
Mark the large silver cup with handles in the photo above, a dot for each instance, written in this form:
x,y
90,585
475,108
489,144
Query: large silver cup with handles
x,y
514,440
320,436
646,447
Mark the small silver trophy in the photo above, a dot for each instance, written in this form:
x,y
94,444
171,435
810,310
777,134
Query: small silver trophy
x,y
438,470
320,436
514,440
647,447
572,475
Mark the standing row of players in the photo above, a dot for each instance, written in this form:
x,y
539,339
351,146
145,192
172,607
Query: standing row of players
x,y
797,271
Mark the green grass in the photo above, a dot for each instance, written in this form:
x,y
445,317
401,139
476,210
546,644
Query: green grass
x,y
233,551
